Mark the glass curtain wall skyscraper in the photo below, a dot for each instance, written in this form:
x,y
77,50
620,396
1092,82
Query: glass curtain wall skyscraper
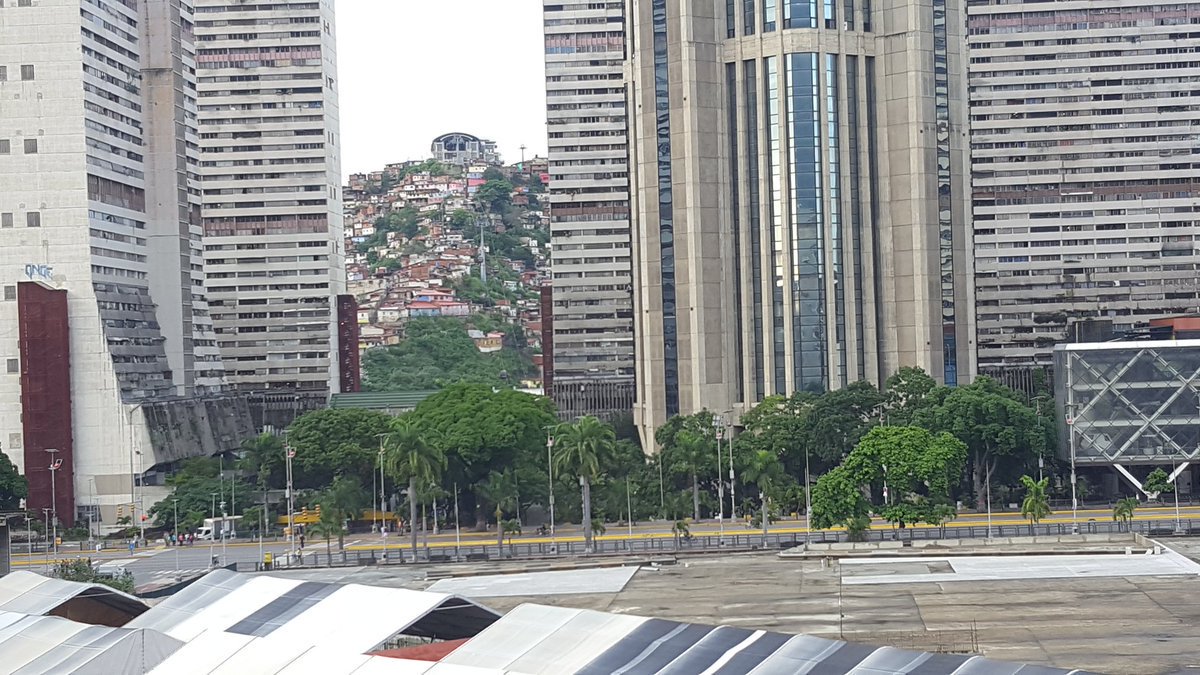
x,y
800,195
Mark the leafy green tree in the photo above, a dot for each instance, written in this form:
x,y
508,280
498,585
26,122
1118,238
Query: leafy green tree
x,y
581,449
409,457
13,486
1157,483
778,425
1035,506
688,447
908,394
437,353
492,173
1123,510
496,195
197,485
481,430
460,219
80,570
998,429
263,457
915,466
335,442
836,420
501,490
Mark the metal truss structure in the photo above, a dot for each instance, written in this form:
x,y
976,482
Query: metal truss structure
x,y
1129,403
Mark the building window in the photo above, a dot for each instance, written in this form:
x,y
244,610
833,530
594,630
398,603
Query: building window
x,y
6,220
27,72
808,223
735,221
10,292
748,23
14,366
666,214
800,14
769,15
24,3
31,146
3,73
5,146
33,219
750,72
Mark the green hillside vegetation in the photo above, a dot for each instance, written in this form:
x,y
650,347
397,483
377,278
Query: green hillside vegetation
x,y
437,352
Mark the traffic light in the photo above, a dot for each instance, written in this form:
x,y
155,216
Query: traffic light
x,y
120,510
318,511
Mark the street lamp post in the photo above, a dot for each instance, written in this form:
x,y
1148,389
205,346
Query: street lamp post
x,y
289,453
212,535
807,503
224,524
716,422
175,506
1175,481
55,463
550,474
382,499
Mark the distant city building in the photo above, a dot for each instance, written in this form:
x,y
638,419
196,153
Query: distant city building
x,y
463,149
272,207
801,195
588,167
111,370
1083,136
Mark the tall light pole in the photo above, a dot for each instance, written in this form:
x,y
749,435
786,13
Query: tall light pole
x,y
807,502
732,487
382,505
289,454
550,479
175,505
55,463
212,535
716,422
141,514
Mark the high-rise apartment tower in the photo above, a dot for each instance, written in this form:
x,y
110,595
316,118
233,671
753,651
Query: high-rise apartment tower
x,y
799,196
1084,154
110,370
589,208
272,205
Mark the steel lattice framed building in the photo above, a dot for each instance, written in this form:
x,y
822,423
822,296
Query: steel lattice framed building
x,y
1131,406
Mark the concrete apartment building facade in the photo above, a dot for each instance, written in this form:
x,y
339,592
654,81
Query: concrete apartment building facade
x,y
593,360
110,369
274,257
800,198
1083,130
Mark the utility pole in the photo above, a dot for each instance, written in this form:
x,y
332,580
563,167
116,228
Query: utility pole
x,y
482,254
175,504
289,454
55,463
550,474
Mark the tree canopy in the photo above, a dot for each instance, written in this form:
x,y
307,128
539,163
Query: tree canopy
x,y
335,442
13,486
436,353
903,473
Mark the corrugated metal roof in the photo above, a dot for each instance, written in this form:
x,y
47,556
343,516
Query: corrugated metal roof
x,y
380,400
29,593
537,640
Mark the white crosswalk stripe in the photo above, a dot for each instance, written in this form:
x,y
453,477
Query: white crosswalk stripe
x,y
185,573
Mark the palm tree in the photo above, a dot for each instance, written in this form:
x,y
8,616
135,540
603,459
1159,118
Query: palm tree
x,y
408,457
346,499
695,453
501,490
329,526
259,455
1035,507
581,448
1123,511
764,470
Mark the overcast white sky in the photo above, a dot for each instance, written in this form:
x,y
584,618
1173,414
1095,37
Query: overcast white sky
x,y
412,70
